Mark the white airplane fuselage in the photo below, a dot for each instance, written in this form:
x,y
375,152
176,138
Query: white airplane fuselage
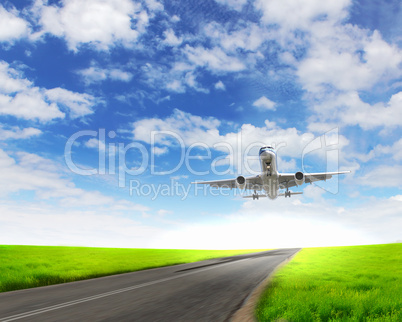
x,y
269,172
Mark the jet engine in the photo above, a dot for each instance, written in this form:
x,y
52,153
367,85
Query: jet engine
x,y
241,182
299,178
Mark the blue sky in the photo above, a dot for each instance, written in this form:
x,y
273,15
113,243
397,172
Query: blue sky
x,y
110,109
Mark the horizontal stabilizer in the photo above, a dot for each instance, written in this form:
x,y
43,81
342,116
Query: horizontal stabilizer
x,y
290,193
255,196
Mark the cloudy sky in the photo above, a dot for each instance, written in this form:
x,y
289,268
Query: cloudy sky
x,y
109,109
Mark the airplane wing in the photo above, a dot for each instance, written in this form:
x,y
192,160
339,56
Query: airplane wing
x,y
288,179
252,183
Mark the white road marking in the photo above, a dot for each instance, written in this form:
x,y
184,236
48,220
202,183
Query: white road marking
x,y
98,296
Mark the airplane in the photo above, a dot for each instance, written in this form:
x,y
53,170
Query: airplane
x,y
270,180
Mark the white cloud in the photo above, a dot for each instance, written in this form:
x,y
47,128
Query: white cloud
x,y
78,104
96,74
264,104
29,104
30,172
34,162
314,192
219,85
190,79
184,124
340,61
229,52
383,58
118,74
184,129
159,151
93,74
321,127
11,26
95,199
25,223
382,152
175,86
164,212
340,69
294,223
95,144
395,150
171,39
154,5
294,14
16,132
348,59
348,109
178,78
214,59
20,98
11,81
30,175
397,198
286,166
175,18
257,224
249,37
100,23
382,176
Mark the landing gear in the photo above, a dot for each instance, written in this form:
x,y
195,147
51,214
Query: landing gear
x,y
287,192
255,195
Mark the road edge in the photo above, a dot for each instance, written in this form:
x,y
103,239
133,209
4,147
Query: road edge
x,y
246,311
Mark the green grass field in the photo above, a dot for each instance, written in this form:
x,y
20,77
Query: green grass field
x,y
356,283
31,266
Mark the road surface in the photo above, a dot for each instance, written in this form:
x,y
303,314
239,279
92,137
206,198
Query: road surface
x,y
211,290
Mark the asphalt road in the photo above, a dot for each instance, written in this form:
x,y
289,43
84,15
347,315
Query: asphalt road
x,y
211,290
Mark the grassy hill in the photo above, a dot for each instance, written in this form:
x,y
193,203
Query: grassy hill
x,y
31,266
356,283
